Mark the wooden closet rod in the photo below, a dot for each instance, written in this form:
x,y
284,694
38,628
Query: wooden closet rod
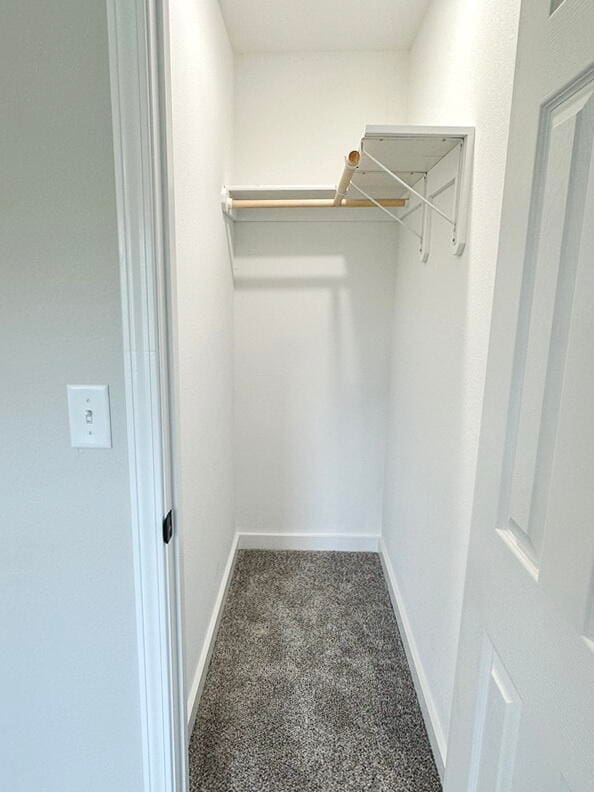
x,y
310,203
351,163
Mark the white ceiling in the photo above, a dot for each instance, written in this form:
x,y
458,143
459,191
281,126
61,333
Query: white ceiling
x,y
320,25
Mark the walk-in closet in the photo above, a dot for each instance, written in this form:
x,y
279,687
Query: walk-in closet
x,y
326,411
301,190
297,426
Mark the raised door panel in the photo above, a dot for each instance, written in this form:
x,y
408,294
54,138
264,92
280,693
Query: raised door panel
x,y
558,250
497,719
567,567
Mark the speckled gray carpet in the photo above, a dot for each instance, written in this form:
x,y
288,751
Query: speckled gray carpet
x,y
308,688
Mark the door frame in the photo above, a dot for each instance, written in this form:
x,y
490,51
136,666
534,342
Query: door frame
x,y
140,90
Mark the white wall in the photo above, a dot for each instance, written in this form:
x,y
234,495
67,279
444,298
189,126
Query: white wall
x,y
69,717
202,109
313,300
313,303
460,72
298,113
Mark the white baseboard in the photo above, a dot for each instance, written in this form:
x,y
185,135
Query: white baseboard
x,y
308,541
428,708
210,638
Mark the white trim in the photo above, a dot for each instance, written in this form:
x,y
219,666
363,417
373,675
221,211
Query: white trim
x,y
134,76
210,638
308,541
426,703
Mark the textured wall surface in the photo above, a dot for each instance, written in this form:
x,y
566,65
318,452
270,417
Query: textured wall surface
x,y
460,73
70,715
298,113
313,300
202,108
313,305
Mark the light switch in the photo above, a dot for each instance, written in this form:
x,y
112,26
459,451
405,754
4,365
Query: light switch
x,y
88,411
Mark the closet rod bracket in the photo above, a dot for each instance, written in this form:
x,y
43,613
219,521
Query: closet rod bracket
x,y
408,149
227,203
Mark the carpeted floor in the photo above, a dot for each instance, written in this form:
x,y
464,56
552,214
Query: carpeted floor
x,y
308,689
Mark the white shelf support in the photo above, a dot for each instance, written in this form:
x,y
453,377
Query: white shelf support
x,y
410,189
462,195
227,204
426,226
401,151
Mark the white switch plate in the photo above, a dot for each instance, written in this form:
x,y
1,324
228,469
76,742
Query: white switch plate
x,y
88,411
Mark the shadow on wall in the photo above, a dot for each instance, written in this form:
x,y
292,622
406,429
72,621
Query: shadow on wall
x,y
312,350
428,470
428,423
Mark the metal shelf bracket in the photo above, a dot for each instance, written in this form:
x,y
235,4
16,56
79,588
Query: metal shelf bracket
x,y
458,220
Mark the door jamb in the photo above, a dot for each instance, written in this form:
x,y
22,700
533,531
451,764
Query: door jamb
x,y
139,95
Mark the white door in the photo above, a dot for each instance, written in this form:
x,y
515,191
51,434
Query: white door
x,y
523,714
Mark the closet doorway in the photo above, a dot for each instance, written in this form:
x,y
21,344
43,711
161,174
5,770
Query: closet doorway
x,y
327,302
